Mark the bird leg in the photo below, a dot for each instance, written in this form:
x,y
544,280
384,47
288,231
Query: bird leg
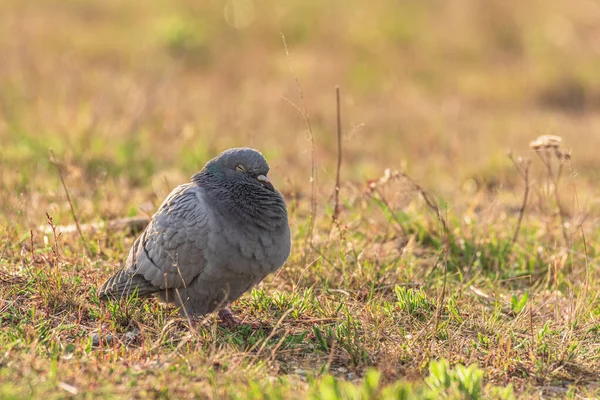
x,y
227,318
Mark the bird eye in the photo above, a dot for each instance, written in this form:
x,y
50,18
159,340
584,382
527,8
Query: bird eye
x,y
240,168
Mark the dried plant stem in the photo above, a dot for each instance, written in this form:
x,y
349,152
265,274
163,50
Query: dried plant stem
x,y
303,111
561,210
62,181
7,239
445,234
391,211
273,333
55,248
442,297
523,168
545,157
31,245
336,204
531,309
586,281
431,203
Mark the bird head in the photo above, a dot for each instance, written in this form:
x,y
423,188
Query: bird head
x,y
241,165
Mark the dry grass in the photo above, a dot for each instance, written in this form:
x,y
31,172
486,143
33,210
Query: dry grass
x,y
134,97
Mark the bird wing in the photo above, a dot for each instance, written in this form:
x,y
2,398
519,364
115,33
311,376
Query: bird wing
x,y
170,252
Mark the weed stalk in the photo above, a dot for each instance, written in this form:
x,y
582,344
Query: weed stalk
x,y
73,214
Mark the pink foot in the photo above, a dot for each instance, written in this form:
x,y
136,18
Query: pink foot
x,y
227,318
229,321
195,323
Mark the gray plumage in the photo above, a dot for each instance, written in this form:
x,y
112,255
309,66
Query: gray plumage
x,y
211,240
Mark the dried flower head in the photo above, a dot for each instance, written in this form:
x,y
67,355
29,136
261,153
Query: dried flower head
x,y
546,142
388,175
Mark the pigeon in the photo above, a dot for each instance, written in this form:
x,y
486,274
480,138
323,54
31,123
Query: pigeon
x,y
211,240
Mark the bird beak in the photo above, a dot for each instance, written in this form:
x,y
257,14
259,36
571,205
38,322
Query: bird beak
x,y
266,182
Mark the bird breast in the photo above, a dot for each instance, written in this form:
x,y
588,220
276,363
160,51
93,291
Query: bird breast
x,y
247,252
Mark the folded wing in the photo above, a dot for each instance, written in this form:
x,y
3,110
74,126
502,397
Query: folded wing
x,y
170,252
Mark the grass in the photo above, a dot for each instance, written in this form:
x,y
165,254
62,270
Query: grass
x,y
134,97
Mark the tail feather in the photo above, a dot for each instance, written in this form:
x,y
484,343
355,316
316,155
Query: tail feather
x,y
123,284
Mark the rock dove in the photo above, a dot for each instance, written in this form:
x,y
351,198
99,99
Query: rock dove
x,y
211,240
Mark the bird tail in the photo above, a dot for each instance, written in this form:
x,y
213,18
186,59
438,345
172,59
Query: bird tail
x,y
123,285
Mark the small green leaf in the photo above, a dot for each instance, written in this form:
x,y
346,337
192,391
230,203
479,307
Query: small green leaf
x,y
517,304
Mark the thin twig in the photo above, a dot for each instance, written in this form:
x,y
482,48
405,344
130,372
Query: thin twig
x,y
31,245
331,356
445,235
545,157
531,309
313,178
586,281
336,204
62,180
278,345
391,211
55,248
441,299
10,231
561,210
523,168
273,332
431,203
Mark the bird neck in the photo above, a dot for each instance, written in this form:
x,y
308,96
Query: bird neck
x,y
243,202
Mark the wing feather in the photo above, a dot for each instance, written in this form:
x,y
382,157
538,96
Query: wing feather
x,y
170,252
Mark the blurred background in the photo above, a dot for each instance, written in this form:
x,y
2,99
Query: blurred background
x,y
135,96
